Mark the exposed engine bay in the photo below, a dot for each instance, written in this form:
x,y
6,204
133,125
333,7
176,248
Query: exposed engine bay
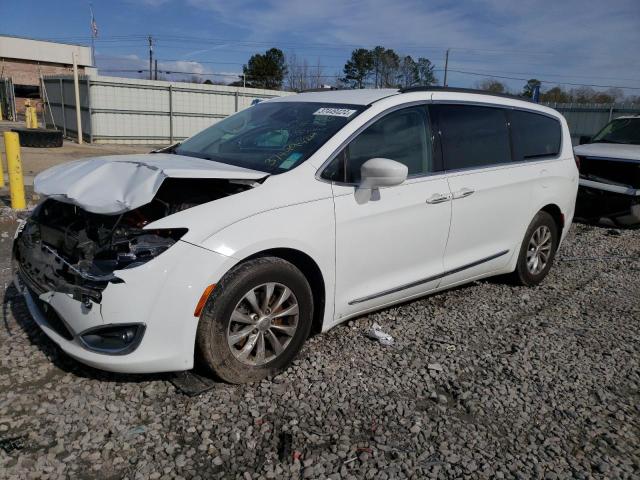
x,y
67,249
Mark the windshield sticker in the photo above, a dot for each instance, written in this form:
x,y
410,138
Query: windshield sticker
x,y
334,112
273,161
290,161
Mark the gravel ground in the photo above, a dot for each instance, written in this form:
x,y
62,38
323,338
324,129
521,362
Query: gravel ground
x,y
484,381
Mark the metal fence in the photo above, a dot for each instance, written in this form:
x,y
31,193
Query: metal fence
x,y
586,119
123,110
7,99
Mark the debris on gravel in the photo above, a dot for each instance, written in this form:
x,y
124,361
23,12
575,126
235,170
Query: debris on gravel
x,y
376,333
484,381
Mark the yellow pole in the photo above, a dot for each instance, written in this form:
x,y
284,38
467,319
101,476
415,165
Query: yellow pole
x,y
2,185
14,166
27,113
34,117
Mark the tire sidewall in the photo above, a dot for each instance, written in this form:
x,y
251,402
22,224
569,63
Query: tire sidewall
x,y
541,219
216,316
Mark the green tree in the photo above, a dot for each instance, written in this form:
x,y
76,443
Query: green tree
x,y
426,75
531,84
266,70
556,95
491,85
386,67
408,72
358,68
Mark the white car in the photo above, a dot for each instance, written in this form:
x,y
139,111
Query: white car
x,y
292,216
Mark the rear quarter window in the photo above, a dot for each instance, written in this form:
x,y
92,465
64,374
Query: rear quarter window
x,y
534,135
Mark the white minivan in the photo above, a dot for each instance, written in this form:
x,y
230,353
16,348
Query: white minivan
x,y
291,216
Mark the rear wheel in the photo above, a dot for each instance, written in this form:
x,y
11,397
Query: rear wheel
x,y
256,321
537,251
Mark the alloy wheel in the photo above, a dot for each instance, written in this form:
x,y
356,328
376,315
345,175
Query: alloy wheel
x,y
262,324
539,250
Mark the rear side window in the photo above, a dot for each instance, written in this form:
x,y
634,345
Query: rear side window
x,y
472,136
534,135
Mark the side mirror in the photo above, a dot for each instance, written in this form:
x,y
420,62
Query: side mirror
x,y
382,172
584,139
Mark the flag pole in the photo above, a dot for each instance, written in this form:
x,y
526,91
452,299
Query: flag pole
x,y
94,33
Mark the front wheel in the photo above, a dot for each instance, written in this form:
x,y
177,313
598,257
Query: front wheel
x,y
537,251
256,321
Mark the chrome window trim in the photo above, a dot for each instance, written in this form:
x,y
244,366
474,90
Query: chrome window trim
x,y
507,107
546,158
521,163
497,105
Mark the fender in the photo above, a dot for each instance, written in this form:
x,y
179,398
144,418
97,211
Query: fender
x,y
306,227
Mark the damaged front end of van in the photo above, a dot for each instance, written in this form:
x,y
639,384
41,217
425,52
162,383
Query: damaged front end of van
x,y
95,272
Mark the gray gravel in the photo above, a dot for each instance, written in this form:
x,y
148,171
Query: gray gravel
x,y
484,381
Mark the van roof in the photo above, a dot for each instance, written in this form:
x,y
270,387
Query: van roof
x,y
367,96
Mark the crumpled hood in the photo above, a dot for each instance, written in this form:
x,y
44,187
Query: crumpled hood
x,y
609,150
116,184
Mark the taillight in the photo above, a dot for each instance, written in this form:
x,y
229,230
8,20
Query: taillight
x,y
577,158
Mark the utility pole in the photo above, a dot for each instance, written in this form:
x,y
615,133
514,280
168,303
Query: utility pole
x,y
155,70
446,67
150,57
76,89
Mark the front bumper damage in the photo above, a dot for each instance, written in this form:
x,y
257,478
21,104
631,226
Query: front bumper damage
x,y
160,296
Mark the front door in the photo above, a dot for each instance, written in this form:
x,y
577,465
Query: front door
x,y
390,247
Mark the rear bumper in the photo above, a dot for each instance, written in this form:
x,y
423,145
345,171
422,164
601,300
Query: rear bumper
x,y
161,295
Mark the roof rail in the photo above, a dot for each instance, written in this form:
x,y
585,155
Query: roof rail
x,y
309,90
462,90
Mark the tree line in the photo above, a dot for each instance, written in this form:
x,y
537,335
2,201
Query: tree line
x,y
382,67
379,67
557,94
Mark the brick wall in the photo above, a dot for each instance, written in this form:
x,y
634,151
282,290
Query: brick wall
x,y
24,72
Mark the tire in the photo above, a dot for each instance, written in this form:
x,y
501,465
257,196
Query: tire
x,y
541,225
39,137
217,330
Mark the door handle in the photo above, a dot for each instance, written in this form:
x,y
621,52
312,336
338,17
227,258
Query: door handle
x,y
438,198
465,192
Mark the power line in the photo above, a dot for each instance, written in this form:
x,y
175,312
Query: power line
x,y
171,72
552,74
476,71
544,81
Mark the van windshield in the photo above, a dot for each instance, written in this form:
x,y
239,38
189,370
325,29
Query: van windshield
x,y
621,130
270,137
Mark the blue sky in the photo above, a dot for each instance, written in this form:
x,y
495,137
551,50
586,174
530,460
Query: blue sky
x,y
572,41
